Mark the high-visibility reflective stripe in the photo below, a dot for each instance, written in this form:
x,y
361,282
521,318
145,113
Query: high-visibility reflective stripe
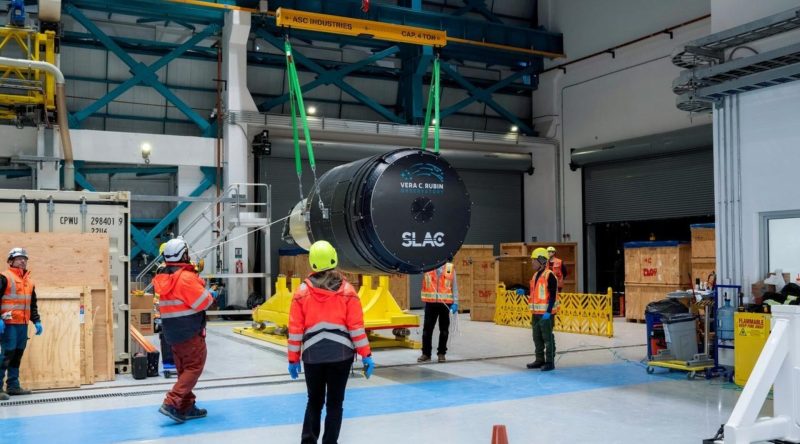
x,y
179,314
170,303
356,333
329,335
362,343
201,299
326,326
294,348
295,337
13,306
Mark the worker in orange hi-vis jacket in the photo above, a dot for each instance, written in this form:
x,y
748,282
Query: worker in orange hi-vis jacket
x,y
326,330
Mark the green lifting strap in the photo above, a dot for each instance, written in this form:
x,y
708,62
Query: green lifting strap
x,y
433,102
296,104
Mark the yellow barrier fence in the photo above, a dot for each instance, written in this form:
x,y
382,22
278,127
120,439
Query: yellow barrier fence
x,y
583,313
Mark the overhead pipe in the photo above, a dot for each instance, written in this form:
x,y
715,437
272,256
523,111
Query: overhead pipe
x,y
61,108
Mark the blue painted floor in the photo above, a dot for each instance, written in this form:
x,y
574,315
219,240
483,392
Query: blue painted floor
x,y
145,423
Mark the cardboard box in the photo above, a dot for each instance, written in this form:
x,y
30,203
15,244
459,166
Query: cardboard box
x,y
143,321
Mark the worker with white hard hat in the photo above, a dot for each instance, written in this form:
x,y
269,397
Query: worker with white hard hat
x,y
17,308
183,301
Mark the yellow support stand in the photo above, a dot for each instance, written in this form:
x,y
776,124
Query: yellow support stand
x,y
380,312
275,311
35,87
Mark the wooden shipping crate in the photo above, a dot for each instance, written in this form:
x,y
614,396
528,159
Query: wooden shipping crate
x,y
484,292
702,267
398,286
483,268
513,270
658,263
703,241
466,295
513,249
467,253
637,296
482,312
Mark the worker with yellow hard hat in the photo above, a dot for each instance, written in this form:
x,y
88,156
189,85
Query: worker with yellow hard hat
x,y
543,303
557,266
326,331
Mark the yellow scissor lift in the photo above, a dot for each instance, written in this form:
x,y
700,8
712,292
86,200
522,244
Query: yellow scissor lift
x,y
381,312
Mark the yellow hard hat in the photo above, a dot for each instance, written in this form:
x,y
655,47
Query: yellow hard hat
x,y
161,248
322,256
551,249
539,253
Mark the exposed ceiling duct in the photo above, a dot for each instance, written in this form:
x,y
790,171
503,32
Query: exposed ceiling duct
x,y
693,138
462,159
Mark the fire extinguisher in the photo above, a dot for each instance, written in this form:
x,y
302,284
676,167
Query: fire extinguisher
x,y
239,266
365,6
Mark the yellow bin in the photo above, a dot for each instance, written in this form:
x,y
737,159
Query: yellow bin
x,y
750,335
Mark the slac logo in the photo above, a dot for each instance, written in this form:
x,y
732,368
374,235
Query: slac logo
x,y
430,240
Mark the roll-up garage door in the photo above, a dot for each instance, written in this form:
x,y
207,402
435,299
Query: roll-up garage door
x,y
677,185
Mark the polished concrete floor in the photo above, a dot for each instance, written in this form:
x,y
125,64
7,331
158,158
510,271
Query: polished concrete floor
x,y
599,393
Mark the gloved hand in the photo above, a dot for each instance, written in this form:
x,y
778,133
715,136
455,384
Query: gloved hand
x,y
39,328
454,308
546,316
294,369
369,366
214,294
2,327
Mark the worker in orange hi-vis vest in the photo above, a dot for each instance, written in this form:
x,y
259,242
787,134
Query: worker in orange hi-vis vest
x,y
543,302
440,295
17,308
557,266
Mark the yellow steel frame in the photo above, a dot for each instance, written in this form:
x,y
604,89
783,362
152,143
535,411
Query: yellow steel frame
x,y
312,21
582,313
35,46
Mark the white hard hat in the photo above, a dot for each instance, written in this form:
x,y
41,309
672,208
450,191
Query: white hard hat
x,y
173,251
17,252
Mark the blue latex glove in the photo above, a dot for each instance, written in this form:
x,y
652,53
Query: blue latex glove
x,y
369,366
454,308
294,369
546,316
39,328
2,327
214,294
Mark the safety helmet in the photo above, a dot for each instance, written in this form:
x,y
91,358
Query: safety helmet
x,y
322,256
174,249
551,249
17,252
539,254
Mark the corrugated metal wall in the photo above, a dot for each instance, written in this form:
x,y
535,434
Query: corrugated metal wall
x,y
678,185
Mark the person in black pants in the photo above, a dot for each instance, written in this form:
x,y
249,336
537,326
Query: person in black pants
x,y
326,331
440,295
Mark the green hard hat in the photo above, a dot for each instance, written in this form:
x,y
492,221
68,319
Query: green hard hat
x,y
322,256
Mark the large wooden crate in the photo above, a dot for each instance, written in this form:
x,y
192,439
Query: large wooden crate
x,y
657,263
513,249
482,312
637,296
703,241
464,262
702,267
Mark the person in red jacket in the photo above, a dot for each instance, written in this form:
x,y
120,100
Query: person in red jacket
x,y
326,330
183,300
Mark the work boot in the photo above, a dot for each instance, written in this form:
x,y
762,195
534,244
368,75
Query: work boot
x,y
548,366
16,391
441,358
4,396
424,358
172,413
535,364
195,413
